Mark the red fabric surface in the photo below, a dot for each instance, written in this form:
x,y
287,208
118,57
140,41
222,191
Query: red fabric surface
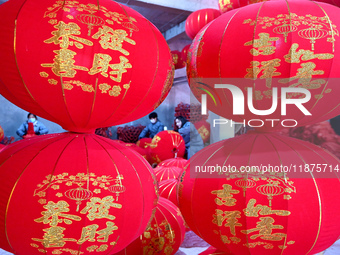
x,y
73,193
165,234
263,214
269,54
30,130
168,190
163,173
165,145
178,162
198,19
90,73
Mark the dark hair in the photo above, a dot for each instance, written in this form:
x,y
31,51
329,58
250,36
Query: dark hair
x,y
153,115
35,116
182,119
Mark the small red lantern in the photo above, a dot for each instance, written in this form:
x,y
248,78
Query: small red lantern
x,y
198,19
227,5
163,173
168,190
164,235
78,189
177,162
286,50
179,62
203,128
89,74
185,52
270,195
165,145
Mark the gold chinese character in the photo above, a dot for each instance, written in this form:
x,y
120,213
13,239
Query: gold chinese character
x,y
54,237
56,214
99,208
63,64
103,235
294,56
231,218
64,33
89,233
113,39
225,196
255,211
265,227
267,67
263,45
101,64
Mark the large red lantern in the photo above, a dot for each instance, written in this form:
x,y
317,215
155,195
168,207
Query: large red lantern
x,y
94,53
287,49
164,235
73,193
198,19
163,173
227,5
165,145
270,195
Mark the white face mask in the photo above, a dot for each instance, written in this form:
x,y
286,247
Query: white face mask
x,y
31,120
153,121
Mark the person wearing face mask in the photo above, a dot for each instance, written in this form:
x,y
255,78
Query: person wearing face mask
x,y
31,127
153,127
192,139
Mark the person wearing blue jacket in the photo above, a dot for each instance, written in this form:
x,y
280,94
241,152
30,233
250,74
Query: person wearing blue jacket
x,y
39,128
192,139
153,127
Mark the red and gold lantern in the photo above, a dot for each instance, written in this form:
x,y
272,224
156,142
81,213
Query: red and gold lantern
x,y
203,128
282,67
185,52
179,62
164,235
168,190
89,74
143,152
198,19
227,5
144,142
165,145
270,195
163,173
73,193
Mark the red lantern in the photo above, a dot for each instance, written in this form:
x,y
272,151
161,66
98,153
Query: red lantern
x,y
256,208
164,235
144,142
203,128
1,134
143,152
179,62
283,45
168,190
213,251
165,145
227,5
163,173
89,74
198,19
177,162
185,52
78,189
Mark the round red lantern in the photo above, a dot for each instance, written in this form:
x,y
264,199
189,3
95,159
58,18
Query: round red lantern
x,y
143,152
227,5
203,128
89,74
144,142
177,162
165,145
185,52
280,71
270,195
163,173
198,19
179,62
164,235
1,134
78,189
168,190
